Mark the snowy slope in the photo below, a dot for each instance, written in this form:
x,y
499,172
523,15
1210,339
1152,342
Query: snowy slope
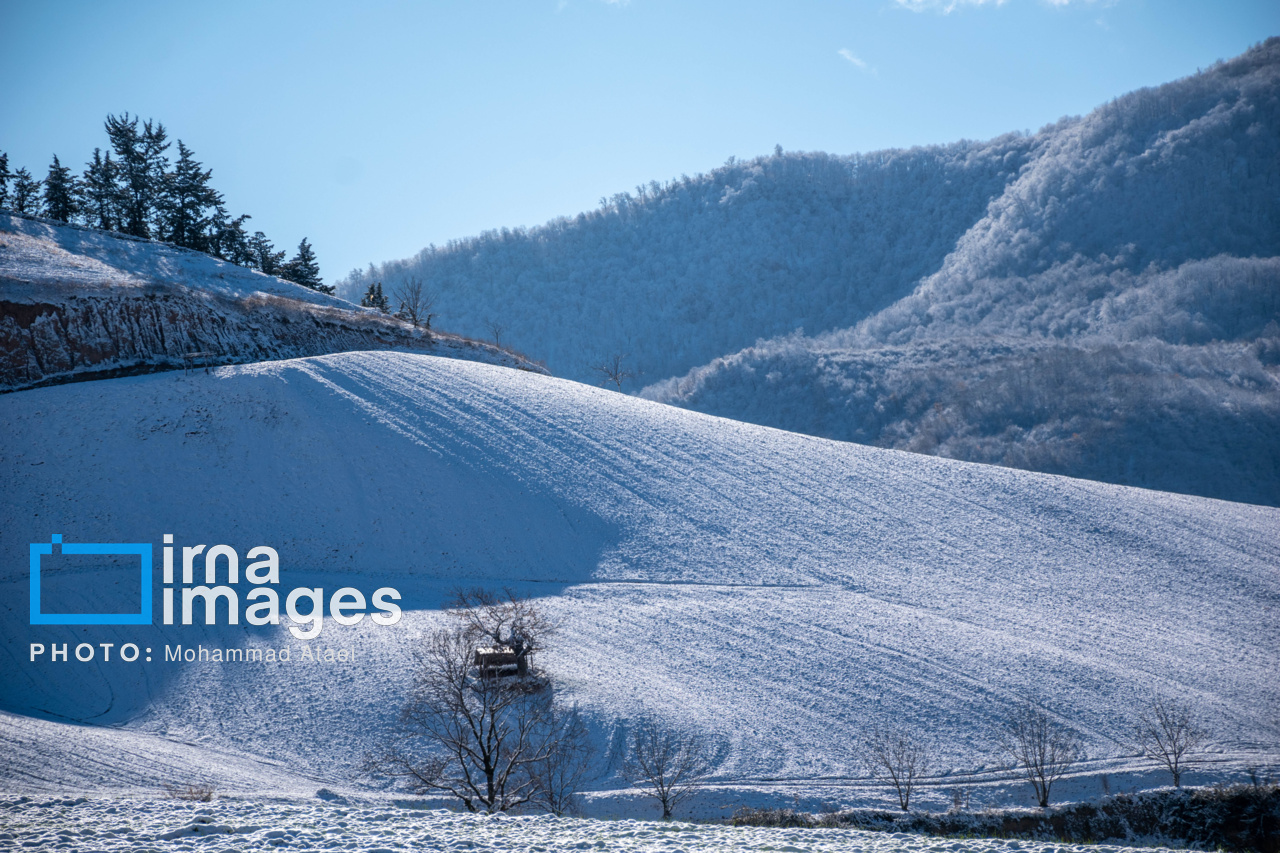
x,y
776,591
43,260
77,303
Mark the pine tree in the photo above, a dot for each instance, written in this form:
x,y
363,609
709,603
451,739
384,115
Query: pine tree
x,y
26,192
5,175
140,155
102,202
264,256
373,298
61,192
131,175
302,269
185,202
229,239
154,145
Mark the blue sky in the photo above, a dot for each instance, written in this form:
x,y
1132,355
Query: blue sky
x,y
379,128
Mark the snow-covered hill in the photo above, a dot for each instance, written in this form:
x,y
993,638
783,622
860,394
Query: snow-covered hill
x,y
1196,419
778,592
77,303
681,272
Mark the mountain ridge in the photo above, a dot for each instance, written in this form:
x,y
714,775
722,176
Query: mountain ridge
x,y
740,226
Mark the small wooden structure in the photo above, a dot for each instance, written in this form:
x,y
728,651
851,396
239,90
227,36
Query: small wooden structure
x,y
499,662
190,359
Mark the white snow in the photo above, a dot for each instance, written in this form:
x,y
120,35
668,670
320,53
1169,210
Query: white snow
x,y
778,592
145,825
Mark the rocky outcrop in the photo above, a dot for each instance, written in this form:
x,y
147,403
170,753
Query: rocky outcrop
x,y
96,336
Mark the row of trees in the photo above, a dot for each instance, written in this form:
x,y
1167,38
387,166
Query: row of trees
x,y
483,725
1034,743
416,304
133,188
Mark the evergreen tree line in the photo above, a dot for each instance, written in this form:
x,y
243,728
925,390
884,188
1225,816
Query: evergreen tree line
x,y
135,189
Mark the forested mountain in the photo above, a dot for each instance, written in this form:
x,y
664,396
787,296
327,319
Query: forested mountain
x,y
1100,299
678,273
1115,314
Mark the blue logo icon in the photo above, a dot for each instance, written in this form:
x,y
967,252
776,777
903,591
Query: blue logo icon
x,y
142,617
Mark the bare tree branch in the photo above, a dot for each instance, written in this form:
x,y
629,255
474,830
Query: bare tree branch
x,y
496,331
558,778
1167,732
672,764
898,756
415,300
613,370
483,739
1041,746
504,620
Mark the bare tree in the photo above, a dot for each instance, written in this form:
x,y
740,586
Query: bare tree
x,y
613,370
960,797
469,733
1043,748
669,763
416,301
1167,732
558,778
496,330
899,756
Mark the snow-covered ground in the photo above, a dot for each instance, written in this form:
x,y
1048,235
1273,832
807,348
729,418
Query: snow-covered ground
x,y
144,825
45,260
777,592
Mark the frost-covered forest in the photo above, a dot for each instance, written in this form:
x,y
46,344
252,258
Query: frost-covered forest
x,y
1101,298
676,274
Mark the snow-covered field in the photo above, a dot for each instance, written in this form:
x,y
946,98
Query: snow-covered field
x,y
777,592
144,825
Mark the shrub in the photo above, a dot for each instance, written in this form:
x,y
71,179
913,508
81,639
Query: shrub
x,y
197,792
